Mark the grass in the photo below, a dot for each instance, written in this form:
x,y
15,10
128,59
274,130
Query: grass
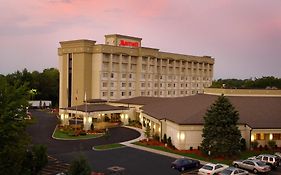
x,y
243,155
109,146
64,135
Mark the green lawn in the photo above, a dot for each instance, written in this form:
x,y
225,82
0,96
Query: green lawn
x,y
109,146
243,155
63,135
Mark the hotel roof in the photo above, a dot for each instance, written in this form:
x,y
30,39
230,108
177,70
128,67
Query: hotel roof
x,y
257,112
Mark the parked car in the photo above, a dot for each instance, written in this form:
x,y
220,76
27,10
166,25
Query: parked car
x,y
252,165
233,171
183,164
271,160
210,169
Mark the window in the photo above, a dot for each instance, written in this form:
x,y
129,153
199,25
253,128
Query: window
x,y
104,75
123,75
130,93
142,84
123,94
130,75
142,93
111,94
123,84
104,84
130,84
276,136
112,75
104,94
112,84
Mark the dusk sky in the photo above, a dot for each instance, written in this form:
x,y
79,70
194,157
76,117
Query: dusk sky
x,y
244,36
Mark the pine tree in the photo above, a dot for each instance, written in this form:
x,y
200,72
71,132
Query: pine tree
x,y
221,135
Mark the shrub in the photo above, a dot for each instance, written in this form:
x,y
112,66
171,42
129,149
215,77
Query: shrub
x,y
83,133
272,144
243,144
79,167
254,144
156,137
169,142
164,138
40,156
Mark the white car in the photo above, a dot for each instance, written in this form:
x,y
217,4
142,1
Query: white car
x,y
210,169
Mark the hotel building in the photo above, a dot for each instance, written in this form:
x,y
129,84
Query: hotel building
x,y
122,68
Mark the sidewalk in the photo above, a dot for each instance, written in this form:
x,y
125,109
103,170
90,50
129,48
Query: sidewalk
x,y
129,144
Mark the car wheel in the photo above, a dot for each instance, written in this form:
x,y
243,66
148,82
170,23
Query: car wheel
x,y
255,171
236,165
182,168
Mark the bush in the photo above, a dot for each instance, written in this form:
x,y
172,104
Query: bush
x,y
243,144
164,138
40,156
83,133
169,142
272,144
254,144
79,167
156,137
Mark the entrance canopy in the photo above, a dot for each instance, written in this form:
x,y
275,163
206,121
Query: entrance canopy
x,y
94,108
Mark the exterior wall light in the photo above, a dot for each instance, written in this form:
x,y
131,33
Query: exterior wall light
x,y
270,136
182,136
252,138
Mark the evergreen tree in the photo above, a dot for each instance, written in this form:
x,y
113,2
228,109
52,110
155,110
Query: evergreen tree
x,y
147,131
220,135
79,167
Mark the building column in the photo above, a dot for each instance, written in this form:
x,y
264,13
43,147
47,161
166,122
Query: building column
x,y
87,121
64,119
124,118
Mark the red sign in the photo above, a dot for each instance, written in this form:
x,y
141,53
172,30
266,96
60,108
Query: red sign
x,y
128,43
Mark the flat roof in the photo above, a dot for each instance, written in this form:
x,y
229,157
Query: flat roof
x,y
257,112
96,108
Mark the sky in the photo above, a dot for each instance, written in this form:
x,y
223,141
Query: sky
x,y
244,36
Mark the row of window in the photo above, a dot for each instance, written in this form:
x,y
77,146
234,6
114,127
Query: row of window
x,y
152,61
156,85
148,93
150,76
262,136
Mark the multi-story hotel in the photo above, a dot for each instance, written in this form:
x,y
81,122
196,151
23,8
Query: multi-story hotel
x,y
122,68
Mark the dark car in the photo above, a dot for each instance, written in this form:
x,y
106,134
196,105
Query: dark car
x,y
182,164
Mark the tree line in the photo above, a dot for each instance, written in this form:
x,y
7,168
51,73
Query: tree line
x,y
268,82
40,85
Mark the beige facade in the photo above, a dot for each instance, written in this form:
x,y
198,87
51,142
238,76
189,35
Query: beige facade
x,y
121,68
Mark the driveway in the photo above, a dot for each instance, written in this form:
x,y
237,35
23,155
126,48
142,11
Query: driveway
x,y
41,133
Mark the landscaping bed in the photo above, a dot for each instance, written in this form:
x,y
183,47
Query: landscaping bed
x,y
69,133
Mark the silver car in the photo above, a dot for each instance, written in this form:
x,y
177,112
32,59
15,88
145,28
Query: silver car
x,y
233,171
252,165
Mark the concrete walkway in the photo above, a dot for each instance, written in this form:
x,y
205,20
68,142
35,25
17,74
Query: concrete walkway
x,y
142,136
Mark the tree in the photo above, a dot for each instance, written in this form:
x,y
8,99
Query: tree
x,y
220,135
79,167
147,131
13,138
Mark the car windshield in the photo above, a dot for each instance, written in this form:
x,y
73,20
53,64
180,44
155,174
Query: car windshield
x,y
260,163
226,172
207,167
